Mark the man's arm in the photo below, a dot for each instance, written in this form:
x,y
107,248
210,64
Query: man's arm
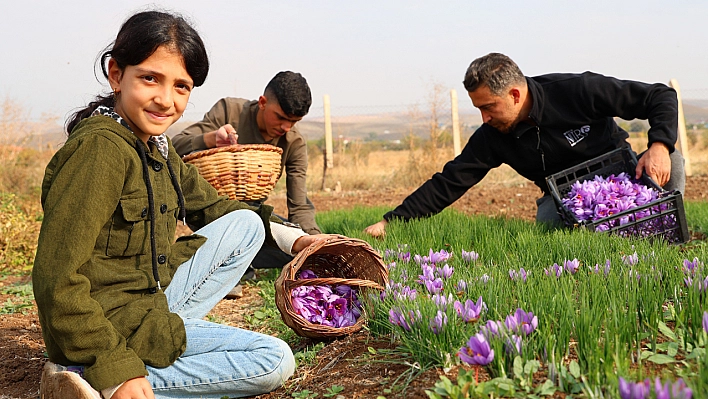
x,y
214,130
445,187
629,100
300,208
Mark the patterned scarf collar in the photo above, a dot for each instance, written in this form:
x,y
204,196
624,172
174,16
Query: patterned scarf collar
x,y
159,141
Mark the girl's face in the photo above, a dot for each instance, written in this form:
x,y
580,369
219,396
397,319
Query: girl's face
x,y
153,94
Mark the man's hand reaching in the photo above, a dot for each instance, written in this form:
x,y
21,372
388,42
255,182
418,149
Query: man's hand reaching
x,y
655,163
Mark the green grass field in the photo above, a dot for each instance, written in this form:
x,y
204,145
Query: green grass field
x,y
637,319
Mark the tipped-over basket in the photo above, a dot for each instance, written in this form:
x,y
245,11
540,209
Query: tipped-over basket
x,y
244,172
335,261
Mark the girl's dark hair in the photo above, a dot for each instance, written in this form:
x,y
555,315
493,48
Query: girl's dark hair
x,y
137,39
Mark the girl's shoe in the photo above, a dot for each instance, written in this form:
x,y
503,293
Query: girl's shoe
x,y
58,383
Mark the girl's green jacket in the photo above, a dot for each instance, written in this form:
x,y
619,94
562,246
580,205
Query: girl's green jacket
x,y
93,277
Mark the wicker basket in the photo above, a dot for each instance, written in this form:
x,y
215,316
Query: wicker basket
x,y
336,261
244,172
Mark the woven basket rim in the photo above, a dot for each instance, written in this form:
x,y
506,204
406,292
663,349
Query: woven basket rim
x,y
286,282
232,148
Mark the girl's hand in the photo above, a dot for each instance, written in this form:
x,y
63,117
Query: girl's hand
x,y
137,388
305,241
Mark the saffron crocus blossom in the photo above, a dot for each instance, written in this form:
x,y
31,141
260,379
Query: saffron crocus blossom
x,y
520,275
554,270
492,329
692,266
470,257
606,269
470,311
461,286
433,257
434,286
513,345
306,274
630,260
441,301
445,271
634,390
428,273
521,322
679,390
602,197
485,278
571,266
477,351
705,322
437,322
406,320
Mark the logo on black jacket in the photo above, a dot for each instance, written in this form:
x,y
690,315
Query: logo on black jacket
x,y
574,136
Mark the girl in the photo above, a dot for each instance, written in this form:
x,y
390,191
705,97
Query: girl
x,y
120,303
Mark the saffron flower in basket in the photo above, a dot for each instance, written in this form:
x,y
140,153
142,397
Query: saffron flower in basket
x,y
603,197
321,304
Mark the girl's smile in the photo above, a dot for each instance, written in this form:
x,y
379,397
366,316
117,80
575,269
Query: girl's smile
x,y
152,95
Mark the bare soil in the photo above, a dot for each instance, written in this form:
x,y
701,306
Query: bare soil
x,y
346,362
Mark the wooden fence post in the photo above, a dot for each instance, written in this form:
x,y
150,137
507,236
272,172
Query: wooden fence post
x,y
682,140
329,161
456,141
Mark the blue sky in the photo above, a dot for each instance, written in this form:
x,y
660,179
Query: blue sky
x,y
369,54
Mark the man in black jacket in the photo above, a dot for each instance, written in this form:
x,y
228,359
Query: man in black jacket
x,y
545,124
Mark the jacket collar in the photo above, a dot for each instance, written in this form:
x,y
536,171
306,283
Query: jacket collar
x,y
537,96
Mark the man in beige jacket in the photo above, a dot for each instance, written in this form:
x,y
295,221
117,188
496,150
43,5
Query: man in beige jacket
x,y
271,120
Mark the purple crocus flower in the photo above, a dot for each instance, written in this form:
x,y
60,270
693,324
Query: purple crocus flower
x,y
434,286
634,390
307,274
461,286
661,391
470,311
492,329
396,317
470,257
477,351
691,267
526,320
391,266
445,271
437,322
428,273
679,390
520,275
441,301
485,278
513,345
404,256
705,322
630,260
571,266
554,270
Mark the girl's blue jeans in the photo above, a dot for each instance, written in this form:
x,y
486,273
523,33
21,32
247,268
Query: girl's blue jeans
x,y
220,360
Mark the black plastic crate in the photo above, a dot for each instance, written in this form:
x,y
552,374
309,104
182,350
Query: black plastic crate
x,y
662,218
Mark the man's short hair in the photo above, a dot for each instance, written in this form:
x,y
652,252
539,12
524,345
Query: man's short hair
x,y
291,92
496,71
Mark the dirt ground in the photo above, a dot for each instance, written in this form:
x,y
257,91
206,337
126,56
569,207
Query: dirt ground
x,y
348,362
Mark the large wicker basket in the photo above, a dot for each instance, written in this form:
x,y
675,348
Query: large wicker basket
x,y
335,261
244,172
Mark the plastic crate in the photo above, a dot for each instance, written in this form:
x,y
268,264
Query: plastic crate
x,y
663,218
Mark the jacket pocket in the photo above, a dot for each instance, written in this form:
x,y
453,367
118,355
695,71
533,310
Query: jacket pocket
x,y
129,228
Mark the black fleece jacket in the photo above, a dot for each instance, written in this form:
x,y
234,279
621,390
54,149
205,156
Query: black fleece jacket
x,y
573,115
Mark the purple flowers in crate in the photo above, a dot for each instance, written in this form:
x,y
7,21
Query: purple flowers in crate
x,y
477,351
470,311
602,197
321,305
